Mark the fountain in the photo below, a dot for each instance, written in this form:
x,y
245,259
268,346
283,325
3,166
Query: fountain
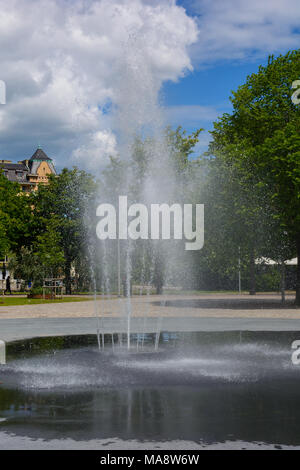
x,y
195,391
148,177
147,381
2,352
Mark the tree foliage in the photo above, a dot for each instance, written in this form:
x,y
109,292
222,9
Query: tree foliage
x,y
260,138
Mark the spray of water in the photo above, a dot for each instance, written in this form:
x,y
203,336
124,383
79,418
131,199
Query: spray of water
x,y
147,168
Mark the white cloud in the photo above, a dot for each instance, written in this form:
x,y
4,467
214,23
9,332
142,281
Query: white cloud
x,y
237,29
66,61
63,63
95,153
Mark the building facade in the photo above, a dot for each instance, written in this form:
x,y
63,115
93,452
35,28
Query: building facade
x,y
29,173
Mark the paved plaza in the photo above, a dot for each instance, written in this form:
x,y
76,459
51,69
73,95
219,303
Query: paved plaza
x,y
214,312
206,305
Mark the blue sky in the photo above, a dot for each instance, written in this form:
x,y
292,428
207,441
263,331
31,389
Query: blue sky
x,y
210,87
211,82
61,69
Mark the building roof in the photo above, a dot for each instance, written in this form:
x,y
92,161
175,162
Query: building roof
x,y
14,171
40,155
23,171
13,166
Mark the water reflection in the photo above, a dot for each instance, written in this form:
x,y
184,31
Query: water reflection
x,y
243,391
268,413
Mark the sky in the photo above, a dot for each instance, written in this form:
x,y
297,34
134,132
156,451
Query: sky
x,y
63,63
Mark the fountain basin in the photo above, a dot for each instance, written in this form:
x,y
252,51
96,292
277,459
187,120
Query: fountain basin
x,y
200,390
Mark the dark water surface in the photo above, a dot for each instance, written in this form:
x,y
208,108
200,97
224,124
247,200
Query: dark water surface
x,y
189,391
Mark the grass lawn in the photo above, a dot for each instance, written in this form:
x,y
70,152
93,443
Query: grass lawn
x,y
6,301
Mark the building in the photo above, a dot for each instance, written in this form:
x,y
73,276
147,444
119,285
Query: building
x,y
29,173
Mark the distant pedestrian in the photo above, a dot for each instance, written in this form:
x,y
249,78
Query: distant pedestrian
x,y
8,289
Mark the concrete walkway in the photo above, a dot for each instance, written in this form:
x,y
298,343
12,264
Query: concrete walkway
x,y
210,305
17,329
214,312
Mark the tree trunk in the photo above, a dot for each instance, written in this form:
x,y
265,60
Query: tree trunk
x,y
68,277
297,300
159,272
282,281
159,289
252,290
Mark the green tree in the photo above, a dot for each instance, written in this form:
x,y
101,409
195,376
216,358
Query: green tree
x,y
66,201
15,217
138,178
181,146
48,249
27,266
261,138
43,259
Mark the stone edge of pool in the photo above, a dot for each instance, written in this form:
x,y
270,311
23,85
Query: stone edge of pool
x,y
12,330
